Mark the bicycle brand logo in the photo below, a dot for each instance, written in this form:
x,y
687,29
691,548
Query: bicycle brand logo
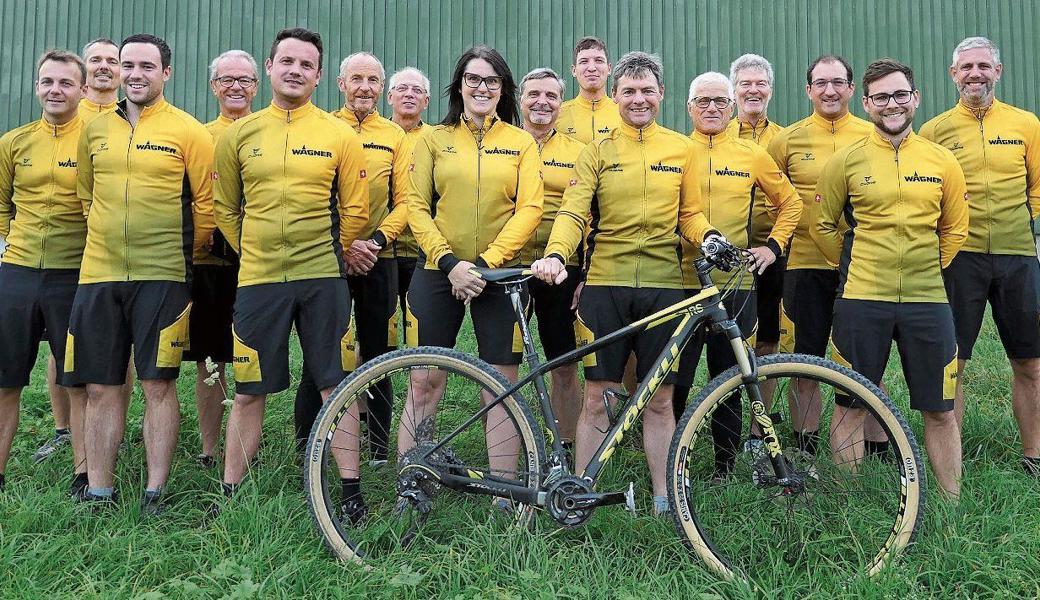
x,y
305,151
727,172
915,178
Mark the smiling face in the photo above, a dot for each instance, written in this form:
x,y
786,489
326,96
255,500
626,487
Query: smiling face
x,y
892,118
480,101
638,99
711,120
540,101
361,83
591,69
102,67
831,99
59,88
295,71
976,75
753,92
142,73
409,96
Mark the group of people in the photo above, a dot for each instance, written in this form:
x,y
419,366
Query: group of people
x,y
135,231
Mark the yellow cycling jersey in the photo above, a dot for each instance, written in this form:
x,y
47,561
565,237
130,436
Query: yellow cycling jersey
x,y
636,190
761,133
558,155
734,175
40,214
801,150
147,193
907,213
999,150
588,121
405,245
476,193
88,111
291,193
216,127
386,162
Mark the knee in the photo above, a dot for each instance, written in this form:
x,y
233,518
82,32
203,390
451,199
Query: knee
x,y
1026,369
593,404
566,375
939,420
248,401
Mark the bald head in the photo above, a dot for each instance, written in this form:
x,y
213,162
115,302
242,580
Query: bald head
x,y
361,79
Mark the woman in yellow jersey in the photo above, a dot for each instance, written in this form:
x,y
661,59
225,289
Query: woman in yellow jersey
x,y
476,198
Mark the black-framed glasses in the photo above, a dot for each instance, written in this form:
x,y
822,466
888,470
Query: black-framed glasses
x,y
839,84
228,81
472,80
720,102
900,96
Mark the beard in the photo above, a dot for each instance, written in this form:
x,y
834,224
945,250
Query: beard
x,y
879,121
977,93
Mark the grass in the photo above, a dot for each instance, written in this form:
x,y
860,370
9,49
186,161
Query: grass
x,y
266,546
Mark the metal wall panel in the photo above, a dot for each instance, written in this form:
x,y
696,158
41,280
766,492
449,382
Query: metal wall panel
x,y
691,35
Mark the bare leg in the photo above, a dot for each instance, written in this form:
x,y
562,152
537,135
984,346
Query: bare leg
x,y
59,398
629,378
77,415
766,388
209,400
1025,401
942,437
592,420
425,389
803,400
243,435
9,400
658,427
566,399
162,422
104,424
346,442
503,440
847,435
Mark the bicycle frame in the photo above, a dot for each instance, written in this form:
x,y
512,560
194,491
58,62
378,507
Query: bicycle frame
x,y
706,306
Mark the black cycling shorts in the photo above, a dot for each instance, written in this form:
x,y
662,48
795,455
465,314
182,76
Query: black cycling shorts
x,y
108,318
552,305
923,332
742,307
34,303
807,310
770,290
436,316
212,307
405,270
375,309
603,310
1011,284
264,316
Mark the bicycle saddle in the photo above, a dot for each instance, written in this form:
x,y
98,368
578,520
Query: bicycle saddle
x,y
501,275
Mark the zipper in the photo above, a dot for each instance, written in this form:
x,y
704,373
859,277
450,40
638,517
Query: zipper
x,y
479,136
902,236
126,196
46,222
285,160
594,121
642,239
985,169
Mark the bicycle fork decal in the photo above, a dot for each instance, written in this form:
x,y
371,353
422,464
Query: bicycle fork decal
x,y
768,432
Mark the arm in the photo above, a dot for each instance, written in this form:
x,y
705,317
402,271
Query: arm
x,y
572,220
527,213
227,192
397,220
783,197
198,165
831,197
6,185
953,212
778,152
1033,167
693,225
420,215
84,172
353,190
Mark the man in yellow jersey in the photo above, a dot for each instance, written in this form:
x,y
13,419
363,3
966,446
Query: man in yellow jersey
x,y
292,269
905,203
541,93
42,219
145,183
998,146
591,115
752,78
639,191
233,81
102,58
734,174
810,283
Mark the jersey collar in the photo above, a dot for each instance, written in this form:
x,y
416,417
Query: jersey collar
x,y
834,125
710,140
146,112
94,106
979,113
736,127
351,117
224,120
61,130
590,105
489,122
291,115
638,134
876,139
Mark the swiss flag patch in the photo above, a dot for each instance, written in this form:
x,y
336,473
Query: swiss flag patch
x,y
411,168
819,198
214,175
363,174
573,182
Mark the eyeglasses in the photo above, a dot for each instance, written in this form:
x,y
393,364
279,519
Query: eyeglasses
x,y
839,84
418,91
900,96
244,82
493,82
720,102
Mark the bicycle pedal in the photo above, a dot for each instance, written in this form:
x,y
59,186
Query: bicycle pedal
x,y
630,498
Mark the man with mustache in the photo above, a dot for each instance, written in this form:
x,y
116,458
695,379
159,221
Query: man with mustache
x,y
998,145
592,114
145,183
102,59
904,199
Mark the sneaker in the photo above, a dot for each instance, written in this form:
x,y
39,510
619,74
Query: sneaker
x,y
376,463
206,461
661,506
98,504
152,504
1031,465
353,512
51,446
78,489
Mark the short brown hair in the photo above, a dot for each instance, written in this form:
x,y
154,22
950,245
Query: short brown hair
x,y
884,67
298,33
590,42
828,58
67,57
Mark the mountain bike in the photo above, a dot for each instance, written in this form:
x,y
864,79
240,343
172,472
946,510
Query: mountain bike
x,y
485,454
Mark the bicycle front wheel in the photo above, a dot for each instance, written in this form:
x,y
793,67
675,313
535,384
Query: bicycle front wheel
x,y
839,511
372,414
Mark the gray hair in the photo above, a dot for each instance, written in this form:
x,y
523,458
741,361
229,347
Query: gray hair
x,y
542,73
750,61
413,70
346,61
970,43
710,77
100,40
232,54
638,64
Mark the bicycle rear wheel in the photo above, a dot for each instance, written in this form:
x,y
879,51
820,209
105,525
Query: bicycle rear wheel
x,y
843,512
505,444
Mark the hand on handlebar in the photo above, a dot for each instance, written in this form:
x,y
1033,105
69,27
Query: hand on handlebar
x,y
550,270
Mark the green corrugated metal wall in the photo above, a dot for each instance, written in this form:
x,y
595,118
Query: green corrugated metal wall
x,y
692,36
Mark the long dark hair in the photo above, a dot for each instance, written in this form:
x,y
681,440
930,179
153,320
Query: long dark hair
x,y
506,109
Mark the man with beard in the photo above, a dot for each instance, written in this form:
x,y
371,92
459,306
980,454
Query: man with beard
x,y
145,182
998,146
102,59
591,115
904,199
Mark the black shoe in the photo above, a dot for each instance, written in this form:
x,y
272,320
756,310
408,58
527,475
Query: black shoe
x,y
1031,465
207,461
152,504
353,512
78,489
99,504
